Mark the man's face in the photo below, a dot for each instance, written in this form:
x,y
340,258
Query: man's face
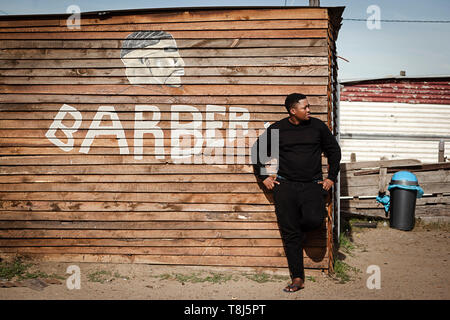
x,y
157,64
301,110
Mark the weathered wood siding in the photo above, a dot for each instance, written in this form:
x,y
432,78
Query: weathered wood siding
x,y
103,200
361,182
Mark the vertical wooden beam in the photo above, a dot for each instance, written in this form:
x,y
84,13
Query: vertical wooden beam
x,y
314,3
441,151
382,183
330,240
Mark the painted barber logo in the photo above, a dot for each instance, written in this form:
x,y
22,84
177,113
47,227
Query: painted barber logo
x,y
152,61
152,57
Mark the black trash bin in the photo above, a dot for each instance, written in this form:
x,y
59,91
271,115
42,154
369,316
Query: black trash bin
x,y
404,189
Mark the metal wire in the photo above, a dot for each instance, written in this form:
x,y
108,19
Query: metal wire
x,y
402,21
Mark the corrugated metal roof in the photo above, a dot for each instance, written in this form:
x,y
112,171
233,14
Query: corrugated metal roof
x,y
335,13
338,10
389,77
432,90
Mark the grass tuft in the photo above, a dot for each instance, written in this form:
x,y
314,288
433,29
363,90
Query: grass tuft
x,y
345,244
14,269
19,270
342,270
196,277
103,276
220,277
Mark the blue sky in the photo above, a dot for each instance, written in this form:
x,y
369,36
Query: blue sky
x,y
417,48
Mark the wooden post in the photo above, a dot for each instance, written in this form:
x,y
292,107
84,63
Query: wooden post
x,y
353,157
382,177
314,3
441,151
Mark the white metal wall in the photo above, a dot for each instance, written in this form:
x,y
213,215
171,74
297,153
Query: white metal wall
x,y
372,130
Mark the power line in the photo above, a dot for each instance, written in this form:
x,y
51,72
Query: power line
x,y
401,21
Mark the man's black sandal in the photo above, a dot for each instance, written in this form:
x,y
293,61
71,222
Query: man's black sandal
x,y
290,288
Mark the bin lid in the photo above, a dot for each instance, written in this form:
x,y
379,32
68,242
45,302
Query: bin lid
x,y
404,178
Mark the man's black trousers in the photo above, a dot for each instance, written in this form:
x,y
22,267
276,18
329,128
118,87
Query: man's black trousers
x,y
300,207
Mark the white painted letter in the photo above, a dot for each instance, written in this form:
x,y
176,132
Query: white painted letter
x,y
214,142
141,127
57,124
212,125
235,121
191,128
115,129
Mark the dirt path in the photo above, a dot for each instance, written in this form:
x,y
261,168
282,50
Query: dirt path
x,y
413,265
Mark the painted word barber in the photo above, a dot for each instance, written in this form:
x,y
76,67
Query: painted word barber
x,y
299,187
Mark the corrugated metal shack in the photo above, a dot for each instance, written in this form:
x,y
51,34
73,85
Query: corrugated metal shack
x,y
102,128
395,117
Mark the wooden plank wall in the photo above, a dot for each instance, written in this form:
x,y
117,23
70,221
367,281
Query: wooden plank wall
x,y
361,182
107,205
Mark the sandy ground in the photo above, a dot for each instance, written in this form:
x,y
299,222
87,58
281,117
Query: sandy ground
x,y
412,265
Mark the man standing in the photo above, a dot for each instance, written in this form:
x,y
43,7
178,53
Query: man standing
x,y
299,187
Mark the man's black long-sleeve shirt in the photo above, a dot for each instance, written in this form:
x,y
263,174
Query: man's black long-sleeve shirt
x,y
300,150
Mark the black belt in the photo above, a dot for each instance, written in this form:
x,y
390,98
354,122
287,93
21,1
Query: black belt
x,y
284,179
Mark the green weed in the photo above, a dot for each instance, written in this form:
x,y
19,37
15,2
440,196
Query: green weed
x,y
264,277
20,270
341,269
220,277
103,276
16,268
258,277
346,244
196,277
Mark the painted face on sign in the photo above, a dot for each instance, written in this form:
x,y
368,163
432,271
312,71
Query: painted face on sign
x,y
158,62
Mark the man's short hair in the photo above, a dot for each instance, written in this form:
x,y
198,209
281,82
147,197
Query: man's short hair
x,y
142,39
292,99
